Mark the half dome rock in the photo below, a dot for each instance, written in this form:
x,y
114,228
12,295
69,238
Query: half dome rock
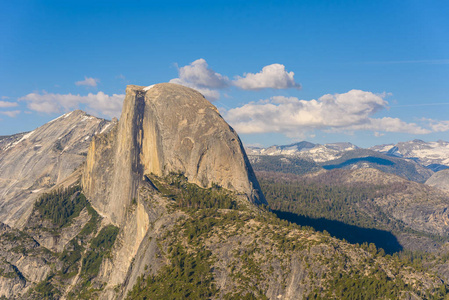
x,y
165,128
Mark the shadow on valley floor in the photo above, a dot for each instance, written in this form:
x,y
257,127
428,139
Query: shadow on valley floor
x,y
353,234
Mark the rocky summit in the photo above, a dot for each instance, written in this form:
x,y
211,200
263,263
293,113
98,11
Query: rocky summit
x,y
31,163
164,204
163,129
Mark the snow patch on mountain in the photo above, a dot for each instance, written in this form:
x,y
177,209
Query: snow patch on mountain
x,y
316,152
425,153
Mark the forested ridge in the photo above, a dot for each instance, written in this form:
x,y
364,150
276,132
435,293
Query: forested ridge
x,y
223,248
212,214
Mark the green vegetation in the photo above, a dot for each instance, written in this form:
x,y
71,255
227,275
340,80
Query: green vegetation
x,y
272,244
100,247
368,159
332,202
374,282
12,273
92,224
61,206
189,273
347,210
46,290
279,163
259,248
188,276
191,197
356,286
72,254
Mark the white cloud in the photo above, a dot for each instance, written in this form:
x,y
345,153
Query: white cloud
x,y
4,104
438,126
388,124
272,76
106,105
337,113
199,74
11,114
88,81
200,77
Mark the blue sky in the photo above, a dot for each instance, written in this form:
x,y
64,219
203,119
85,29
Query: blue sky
x,y
368,72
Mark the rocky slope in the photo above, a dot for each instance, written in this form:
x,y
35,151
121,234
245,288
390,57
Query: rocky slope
x,y
439,180
163,129
305,150
199,243
364,158
415,215
350,160
296,158
32,163
435,155
170,208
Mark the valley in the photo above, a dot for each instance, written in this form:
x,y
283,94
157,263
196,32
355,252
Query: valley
x,y
165,203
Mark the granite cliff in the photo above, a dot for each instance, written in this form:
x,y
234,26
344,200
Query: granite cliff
x,y
163,129
169,208
32,163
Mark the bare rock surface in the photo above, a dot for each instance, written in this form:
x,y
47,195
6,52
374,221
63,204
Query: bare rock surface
x,y
32,163
55,239
439,180
165,128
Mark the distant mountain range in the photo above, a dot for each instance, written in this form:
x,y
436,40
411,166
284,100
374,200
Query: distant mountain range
x,y
316,152
433,155
164,204
414,160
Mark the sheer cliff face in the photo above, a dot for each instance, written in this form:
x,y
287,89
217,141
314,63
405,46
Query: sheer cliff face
x,y
165,128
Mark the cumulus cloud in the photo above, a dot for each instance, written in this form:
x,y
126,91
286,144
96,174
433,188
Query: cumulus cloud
x,y
4,104
438,126
337,113
199,76
101,103
11,114
272,76
88,81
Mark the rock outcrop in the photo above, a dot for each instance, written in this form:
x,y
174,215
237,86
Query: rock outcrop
x,y
165,128
173,179
439,180
32,163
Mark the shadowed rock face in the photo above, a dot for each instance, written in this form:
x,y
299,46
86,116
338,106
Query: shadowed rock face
x,y
165,128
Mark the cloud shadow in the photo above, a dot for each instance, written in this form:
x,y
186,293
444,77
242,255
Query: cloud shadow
x,y
353,234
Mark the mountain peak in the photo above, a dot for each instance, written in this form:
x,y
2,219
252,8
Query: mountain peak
x,y
47,155
166,128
